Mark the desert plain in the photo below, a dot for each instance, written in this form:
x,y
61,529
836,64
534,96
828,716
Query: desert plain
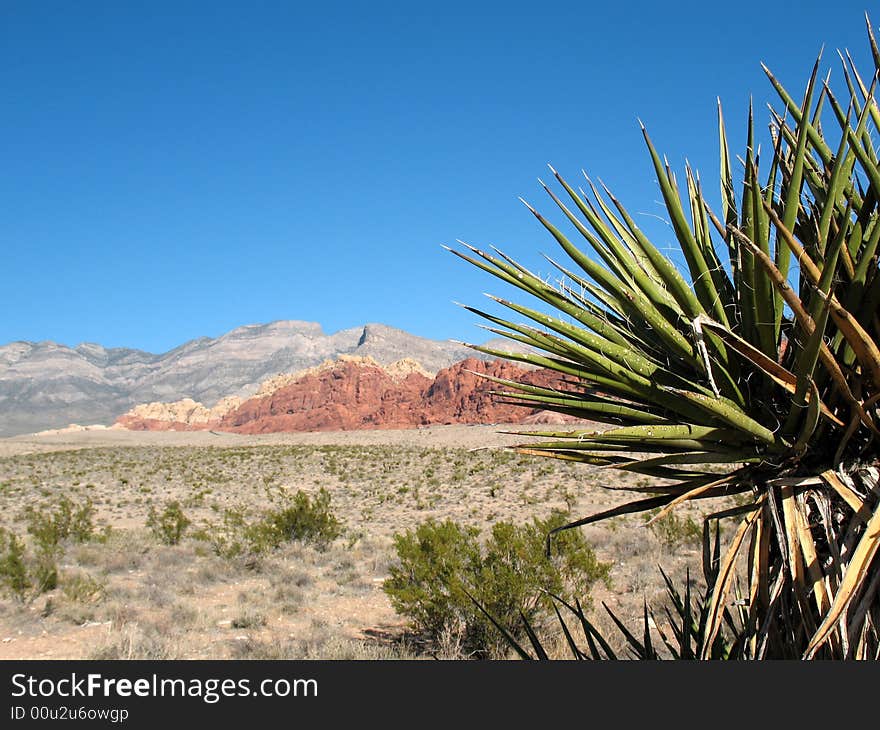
x,y
124,594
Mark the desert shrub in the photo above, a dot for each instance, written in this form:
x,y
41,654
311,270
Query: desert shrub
x,y
443,569
249,620
437,562
82,588
13,571
304,519
301,518
227,536
168,525
673,531
26,571
26,574
44,573
50,525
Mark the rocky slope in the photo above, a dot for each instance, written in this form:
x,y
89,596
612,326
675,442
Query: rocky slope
x,y
46,385
353,393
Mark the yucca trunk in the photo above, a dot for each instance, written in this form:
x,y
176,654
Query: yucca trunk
x,y
755,373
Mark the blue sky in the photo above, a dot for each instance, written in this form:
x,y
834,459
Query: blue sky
x,y
173,170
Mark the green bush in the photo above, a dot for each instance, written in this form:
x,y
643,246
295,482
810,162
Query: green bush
x,y
437,563
23,575
673,531
26,574
305,519
169,524
301,518
441,564
50,526
14,575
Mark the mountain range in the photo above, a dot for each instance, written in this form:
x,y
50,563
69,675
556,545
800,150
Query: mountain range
x,y
45,385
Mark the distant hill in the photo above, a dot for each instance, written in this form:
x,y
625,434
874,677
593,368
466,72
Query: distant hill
x,y
45,385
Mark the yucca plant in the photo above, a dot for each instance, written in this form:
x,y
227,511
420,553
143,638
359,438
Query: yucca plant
x,y
751,370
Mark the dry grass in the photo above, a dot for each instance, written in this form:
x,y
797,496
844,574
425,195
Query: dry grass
x,y
130,596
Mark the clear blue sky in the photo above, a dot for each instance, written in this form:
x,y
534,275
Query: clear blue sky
x,y
177,169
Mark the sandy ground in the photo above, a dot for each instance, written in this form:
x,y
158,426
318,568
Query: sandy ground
x,y
452,436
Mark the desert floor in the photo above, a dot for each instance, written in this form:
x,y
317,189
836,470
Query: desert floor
x,y
124,594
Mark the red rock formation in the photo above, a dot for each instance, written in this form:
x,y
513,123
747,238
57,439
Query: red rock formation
x,y
355,395
459,394
347,397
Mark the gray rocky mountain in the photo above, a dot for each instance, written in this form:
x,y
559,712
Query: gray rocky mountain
x,y
46,385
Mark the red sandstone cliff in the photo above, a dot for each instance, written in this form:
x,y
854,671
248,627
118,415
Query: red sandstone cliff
x,y
355,394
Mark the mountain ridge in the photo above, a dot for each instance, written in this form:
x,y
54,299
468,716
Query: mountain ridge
x,y
46,385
